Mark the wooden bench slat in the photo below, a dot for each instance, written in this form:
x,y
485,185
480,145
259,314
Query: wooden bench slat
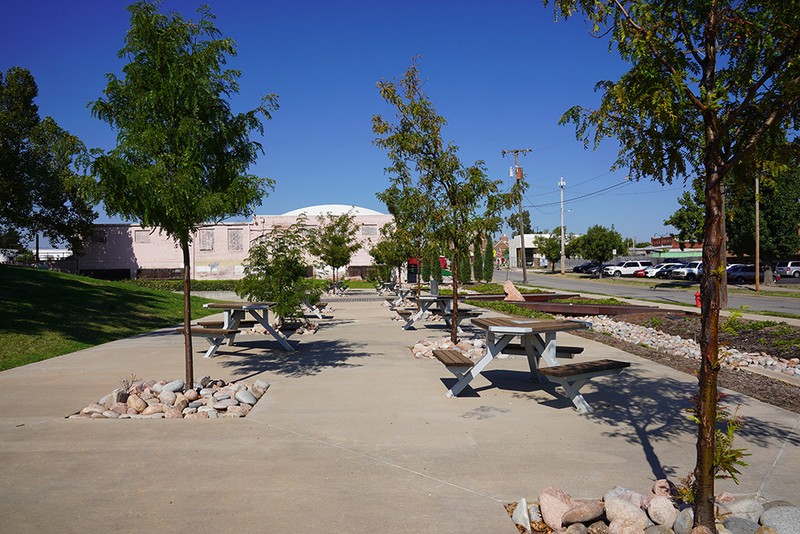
x,y
561,350
209,332
583,368
452,358
245,323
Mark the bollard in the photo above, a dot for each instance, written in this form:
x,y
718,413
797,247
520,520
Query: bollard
x,y
697,299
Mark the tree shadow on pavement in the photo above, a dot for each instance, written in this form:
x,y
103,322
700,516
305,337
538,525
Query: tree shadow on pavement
x,y
252,357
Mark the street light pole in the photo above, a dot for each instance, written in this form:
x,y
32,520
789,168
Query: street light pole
x,y
561,185
519,176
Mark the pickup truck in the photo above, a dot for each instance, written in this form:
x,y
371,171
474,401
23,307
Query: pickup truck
x,y
625,268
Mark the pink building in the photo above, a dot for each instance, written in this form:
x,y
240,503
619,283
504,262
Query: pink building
x,y
217,251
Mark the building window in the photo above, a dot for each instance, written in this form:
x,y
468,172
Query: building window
x,y
99,236
141,236
206,238
369,229
235,239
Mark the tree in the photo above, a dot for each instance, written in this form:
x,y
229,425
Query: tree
x,y
38,171
458,203
392,250
550,248
335,240
688,219
181,155
275,270
488,260
513,222
779,217
709,83
599,243
477,260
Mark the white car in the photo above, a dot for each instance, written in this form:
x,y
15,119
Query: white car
x,y
625,268
692,271
651,272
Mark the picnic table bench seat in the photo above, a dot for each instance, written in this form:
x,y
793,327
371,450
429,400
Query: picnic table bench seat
x,y
214,336
573,376
452,358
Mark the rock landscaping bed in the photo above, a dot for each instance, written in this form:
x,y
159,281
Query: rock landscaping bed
x,y
148,399
622,511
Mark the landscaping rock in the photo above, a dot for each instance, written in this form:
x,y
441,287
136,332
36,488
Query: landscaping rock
x,y
662,511
554,503
683,523
784,519
520,515
512,293
174,386
740,525
625,513
582,512
748,508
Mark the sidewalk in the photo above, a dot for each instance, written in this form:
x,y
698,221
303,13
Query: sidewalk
x,y
355,435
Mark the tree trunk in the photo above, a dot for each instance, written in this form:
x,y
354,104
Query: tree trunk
x,y
187,316
714,253
454,318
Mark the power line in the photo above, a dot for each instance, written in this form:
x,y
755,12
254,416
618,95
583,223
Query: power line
x,y
581,197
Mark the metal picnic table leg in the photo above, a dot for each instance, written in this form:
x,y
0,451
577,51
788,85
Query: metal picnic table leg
x,y
231,321
264,321
492,349
536,348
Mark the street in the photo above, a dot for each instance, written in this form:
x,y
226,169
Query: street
x,y
659,290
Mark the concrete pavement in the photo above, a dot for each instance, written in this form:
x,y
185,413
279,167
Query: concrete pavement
x,y
355,435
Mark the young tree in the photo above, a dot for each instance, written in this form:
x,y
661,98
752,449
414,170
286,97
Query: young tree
x,y
392,250
513,222
598,244
709,82
275,270
336,240
550,248
458,202
38,172
477,260
182,156
488,260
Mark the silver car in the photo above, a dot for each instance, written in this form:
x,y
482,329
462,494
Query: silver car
x,y
692,271
788,268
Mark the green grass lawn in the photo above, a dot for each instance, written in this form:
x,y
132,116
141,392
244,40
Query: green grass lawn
x,y
45,314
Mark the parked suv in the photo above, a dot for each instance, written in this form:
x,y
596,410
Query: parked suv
x,y
692,271
625,268
788,268
746,274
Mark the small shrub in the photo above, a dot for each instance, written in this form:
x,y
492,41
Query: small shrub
x,y
512,309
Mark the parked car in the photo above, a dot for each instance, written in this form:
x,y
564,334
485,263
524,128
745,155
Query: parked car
x,y
746,274
788,268
691,271
640,273
625,268
597,269
666,272
584,267
653,272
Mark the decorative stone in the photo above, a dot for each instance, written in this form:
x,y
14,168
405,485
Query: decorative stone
x,y
221,395
157,387
598,527
187,411
683,523
784,519
167,397
245,396
170,412
198,415
108,414
106,400
624,526
701,530
174,386
181,402
662,511
622,511
154,409
577,528
191,395
582,512
663,487
207,392
554,503
763,529
773,504
512,293
658,529
224,404
94,408
520,515
740,525
96,415
257,392
196,404
120,408
136,403
240,411
747,508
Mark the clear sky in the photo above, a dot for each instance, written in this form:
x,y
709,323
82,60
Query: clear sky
x,y
501,73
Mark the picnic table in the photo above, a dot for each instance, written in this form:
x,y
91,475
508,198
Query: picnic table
x,y
235,312
441,305
539,341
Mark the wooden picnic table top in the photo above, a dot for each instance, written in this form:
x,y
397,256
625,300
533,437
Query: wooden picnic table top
x,y
239,305
527,325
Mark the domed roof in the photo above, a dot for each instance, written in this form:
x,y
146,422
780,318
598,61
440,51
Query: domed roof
x,y
333,209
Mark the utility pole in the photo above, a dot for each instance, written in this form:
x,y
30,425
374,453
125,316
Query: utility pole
x,y
519,176
561,185
758,245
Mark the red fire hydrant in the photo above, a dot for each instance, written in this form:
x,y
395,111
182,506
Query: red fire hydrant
x,y
697,299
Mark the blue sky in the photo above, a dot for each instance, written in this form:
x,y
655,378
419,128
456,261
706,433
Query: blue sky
x,y
501,73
